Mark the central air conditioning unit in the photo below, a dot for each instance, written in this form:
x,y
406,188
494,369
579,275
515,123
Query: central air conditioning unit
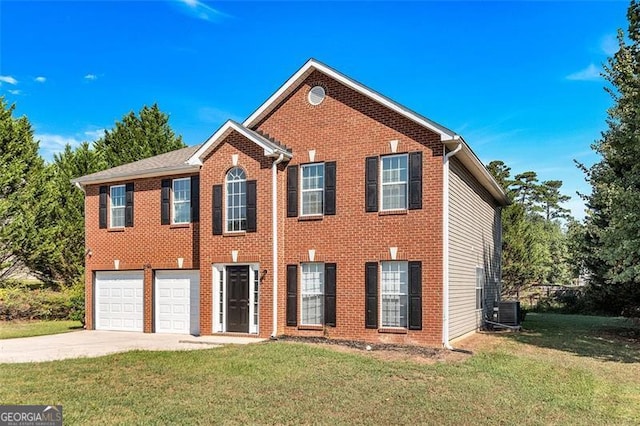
x,y
509,313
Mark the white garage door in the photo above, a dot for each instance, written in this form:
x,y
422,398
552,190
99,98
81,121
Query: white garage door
x,y
119,301
177,306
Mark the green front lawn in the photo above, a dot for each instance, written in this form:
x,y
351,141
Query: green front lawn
x,y
13,329
529,378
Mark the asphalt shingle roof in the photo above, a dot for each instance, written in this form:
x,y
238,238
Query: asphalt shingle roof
x,y
170,161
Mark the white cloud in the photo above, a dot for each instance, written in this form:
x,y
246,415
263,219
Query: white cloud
x,y
200,10
52,144
609,44
15,92
8,79
90,77
590,73
94,134
40,79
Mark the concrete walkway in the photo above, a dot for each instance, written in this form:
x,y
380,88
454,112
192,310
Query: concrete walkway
x,y
88,344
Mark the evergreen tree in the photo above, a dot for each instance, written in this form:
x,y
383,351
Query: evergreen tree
x,y
20,164
612,252
137,137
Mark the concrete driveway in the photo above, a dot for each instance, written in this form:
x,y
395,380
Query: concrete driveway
x,y
81,344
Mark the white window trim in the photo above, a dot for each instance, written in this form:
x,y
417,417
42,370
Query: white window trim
x,y
482,287
302,294
226,202
173,201
220,269
111,207
380,294
382,184
302,191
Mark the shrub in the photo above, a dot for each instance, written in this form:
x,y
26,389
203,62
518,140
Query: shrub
x,y
20,302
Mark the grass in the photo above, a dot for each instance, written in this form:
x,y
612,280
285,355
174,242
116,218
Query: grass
x,y
13,329
540,376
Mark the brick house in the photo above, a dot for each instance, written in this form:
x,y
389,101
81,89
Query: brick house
x,y
330,211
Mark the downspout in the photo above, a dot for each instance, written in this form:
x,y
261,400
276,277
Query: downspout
x,y
274,231
445,243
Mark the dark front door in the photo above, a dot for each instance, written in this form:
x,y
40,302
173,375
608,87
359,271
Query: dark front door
x,y
238,299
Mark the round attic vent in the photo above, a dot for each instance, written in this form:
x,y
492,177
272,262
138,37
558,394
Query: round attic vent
x,y
316,95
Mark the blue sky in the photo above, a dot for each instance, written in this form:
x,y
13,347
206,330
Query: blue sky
x,y
518,80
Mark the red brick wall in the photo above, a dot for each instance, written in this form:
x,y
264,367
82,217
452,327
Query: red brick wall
x,y
147,244
348,127
252,247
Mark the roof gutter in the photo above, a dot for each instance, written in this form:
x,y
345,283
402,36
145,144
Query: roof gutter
x,y
445,242
164,171
274,232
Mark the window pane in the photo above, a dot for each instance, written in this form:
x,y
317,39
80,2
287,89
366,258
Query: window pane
x,y
117,206
394,182
236,200
395,284
312,293
182,200
312,188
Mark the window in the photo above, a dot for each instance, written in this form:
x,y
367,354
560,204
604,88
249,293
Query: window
x,y
480,281
394,182
236,200
395,283
312,293
117,206
312,189
182,200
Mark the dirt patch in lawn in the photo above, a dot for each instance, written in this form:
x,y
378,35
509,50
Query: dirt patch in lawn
x,y
385,351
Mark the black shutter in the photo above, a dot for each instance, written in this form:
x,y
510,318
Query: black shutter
x,y
371,183
330,294
102,211
330,188
371,295
195,198
292,191
217,209
415,295
165,202
292,295
251,206
128,209
415,180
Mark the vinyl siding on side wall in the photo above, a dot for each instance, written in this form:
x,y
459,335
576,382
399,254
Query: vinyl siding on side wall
x,y
474,241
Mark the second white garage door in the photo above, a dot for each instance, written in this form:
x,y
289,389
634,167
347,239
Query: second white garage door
x,y
177,302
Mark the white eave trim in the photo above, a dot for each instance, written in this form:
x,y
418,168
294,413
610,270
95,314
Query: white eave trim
x,y
164,171
312,64
222,132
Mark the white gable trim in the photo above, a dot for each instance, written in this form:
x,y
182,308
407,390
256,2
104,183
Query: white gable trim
x,y
312,64
224,131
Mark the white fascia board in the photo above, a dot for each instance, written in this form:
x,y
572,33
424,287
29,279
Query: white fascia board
x,y
445,134
480,172
221,133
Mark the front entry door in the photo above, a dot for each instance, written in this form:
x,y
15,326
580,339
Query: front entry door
x,y
238,299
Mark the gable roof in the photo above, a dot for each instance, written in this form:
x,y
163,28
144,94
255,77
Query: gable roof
x,y
170,163
447,136
271,148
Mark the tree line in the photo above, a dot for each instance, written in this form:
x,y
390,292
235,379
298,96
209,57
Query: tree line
x,y
41,213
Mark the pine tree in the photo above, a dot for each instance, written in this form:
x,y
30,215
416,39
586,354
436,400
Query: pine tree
x,y
613,222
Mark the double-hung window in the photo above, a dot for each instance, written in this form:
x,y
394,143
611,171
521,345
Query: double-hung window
x,y
117,196
181,200
480,283
312,192
236,200
394,182
312,290
395,288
